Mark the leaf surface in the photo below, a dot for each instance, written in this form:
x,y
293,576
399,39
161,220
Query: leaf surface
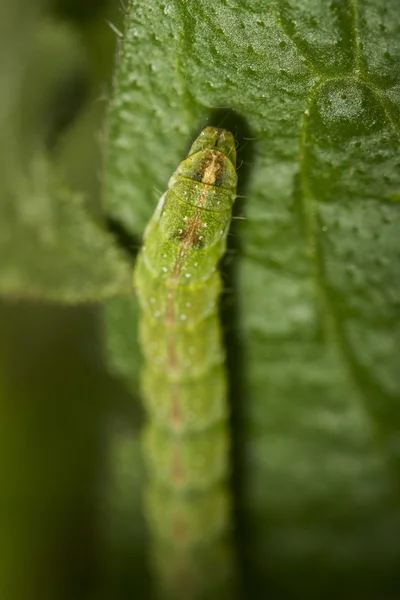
x,y
316,273
52,250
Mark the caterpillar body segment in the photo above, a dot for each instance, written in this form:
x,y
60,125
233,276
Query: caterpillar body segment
x,y
184,384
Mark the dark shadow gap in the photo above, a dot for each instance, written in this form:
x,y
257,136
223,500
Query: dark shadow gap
x,y
231,318
129,243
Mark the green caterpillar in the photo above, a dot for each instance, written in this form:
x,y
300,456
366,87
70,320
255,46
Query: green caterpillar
x,y
184,387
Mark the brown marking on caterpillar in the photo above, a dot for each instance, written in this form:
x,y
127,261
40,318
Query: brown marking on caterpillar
x,y
176,414
212,167
185,580
190,235
211,171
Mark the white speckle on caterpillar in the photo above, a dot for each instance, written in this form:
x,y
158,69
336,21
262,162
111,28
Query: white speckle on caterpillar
x,y
183,317
187,275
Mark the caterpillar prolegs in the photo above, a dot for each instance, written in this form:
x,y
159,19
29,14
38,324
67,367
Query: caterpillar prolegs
x,y
184,388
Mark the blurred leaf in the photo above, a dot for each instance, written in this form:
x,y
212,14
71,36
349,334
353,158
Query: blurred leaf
x,y
78,151
121,316
53,85
316,276
51,249
126,526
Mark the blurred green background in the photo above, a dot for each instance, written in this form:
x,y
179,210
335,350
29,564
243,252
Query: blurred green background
x,y
57,400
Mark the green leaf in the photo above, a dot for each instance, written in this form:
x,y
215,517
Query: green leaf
x,y
50,249
316,277
121,338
